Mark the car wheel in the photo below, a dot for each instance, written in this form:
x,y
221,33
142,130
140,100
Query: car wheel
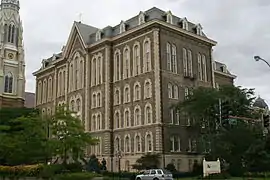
x,y
155,179
138,179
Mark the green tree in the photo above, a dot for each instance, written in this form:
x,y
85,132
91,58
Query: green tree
x,y
22,140
148,161
68,137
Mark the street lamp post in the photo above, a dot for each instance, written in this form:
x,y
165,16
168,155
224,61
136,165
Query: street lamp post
x,y
119,156
258,58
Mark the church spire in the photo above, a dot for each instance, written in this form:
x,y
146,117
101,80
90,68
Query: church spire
x,y
10,4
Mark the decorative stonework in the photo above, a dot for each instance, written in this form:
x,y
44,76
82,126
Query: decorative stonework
x,y
86,93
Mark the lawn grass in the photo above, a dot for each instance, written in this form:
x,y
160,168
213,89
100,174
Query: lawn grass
x,y
232,178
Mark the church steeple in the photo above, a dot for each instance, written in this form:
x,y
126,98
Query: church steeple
x,y
10,4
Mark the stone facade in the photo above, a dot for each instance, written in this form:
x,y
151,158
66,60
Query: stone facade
x,y
12,64
123,80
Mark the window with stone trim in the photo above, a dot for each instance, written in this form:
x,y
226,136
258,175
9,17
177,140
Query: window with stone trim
x,y
94,100
127,117
8,88
174,59
117,144
175,144
169,17
190,64
169,57
94,122
136,59
99,70
137,91
44,95
50,89
175,92
93,71
170,91
137,143
117,96
185,24
72,106
59,92
126,63
126,94
117,117
148,114
204,68
185,62
99,121
117,66
99,99
71,77
147,66
147,89
127,144
172,115
81,77
141,18
137,116
148,142
122,27
200,71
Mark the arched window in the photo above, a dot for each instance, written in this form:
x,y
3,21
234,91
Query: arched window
x,y
117,97
117,66
94,100
78,105
8,83
127,144
50,89
190,66
44,95
148,114
126,94
136,59
175,92
9,33
59,83
94,123
71,77
99,99
174,59
94,71
204,68
200,72
81,74
117,144
126,67
170,94
98,122
98,68
169,57
127,117
137,116
117,120
72,106
12,34
137,143
147,56
137,91
149,143
185,62
147,89
39,94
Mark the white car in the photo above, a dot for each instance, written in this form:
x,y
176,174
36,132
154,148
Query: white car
x,y
155,174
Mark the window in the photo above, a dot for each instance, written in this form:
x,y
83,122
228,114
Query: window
x,y
122,27
117,120
39,94
44,98
169,17
11,33
94,100
149,143
174,60
170,93
72,106
117,67
147,56
9,83
190,66
117,144
78,105
126,94
50,89
172,116
136,59
148,114
137,91
169,57
147,89
137,144
71,77
175,92
99,99
194,145
177,119
126,63
204,68
137,116
200,73
63,81
141,18
186,93
98,35
98,122
94,69
199,30
59,92
185,62
175,144
127,117
127,144
117,97
98,70
185,24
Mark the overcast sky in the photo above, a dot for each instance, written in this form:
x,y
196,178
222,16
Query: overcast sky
x,y
241,28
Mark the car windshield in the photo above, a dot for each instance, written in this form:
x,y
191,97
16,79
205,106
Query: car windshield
x,y
166,172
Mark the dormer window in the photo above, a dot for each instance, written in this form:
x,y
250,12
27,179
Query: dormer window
x,y
141,18
223,69
185,24
199,30
98,35
169,17
122,27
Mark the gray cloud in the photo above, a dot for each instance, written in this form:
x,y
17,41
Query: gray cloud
x,y
240,27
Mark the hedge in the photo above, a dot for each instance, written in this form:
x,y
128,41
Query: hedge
x,y
21,171
76,176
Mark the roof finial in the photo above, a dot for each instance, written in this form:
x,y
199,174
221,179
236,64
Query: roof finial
x,y
80,17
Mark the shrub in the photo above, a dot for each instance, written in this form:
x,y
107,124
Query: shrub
x,y
222,175
21,171
48,171
257,174
74,167
76,176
